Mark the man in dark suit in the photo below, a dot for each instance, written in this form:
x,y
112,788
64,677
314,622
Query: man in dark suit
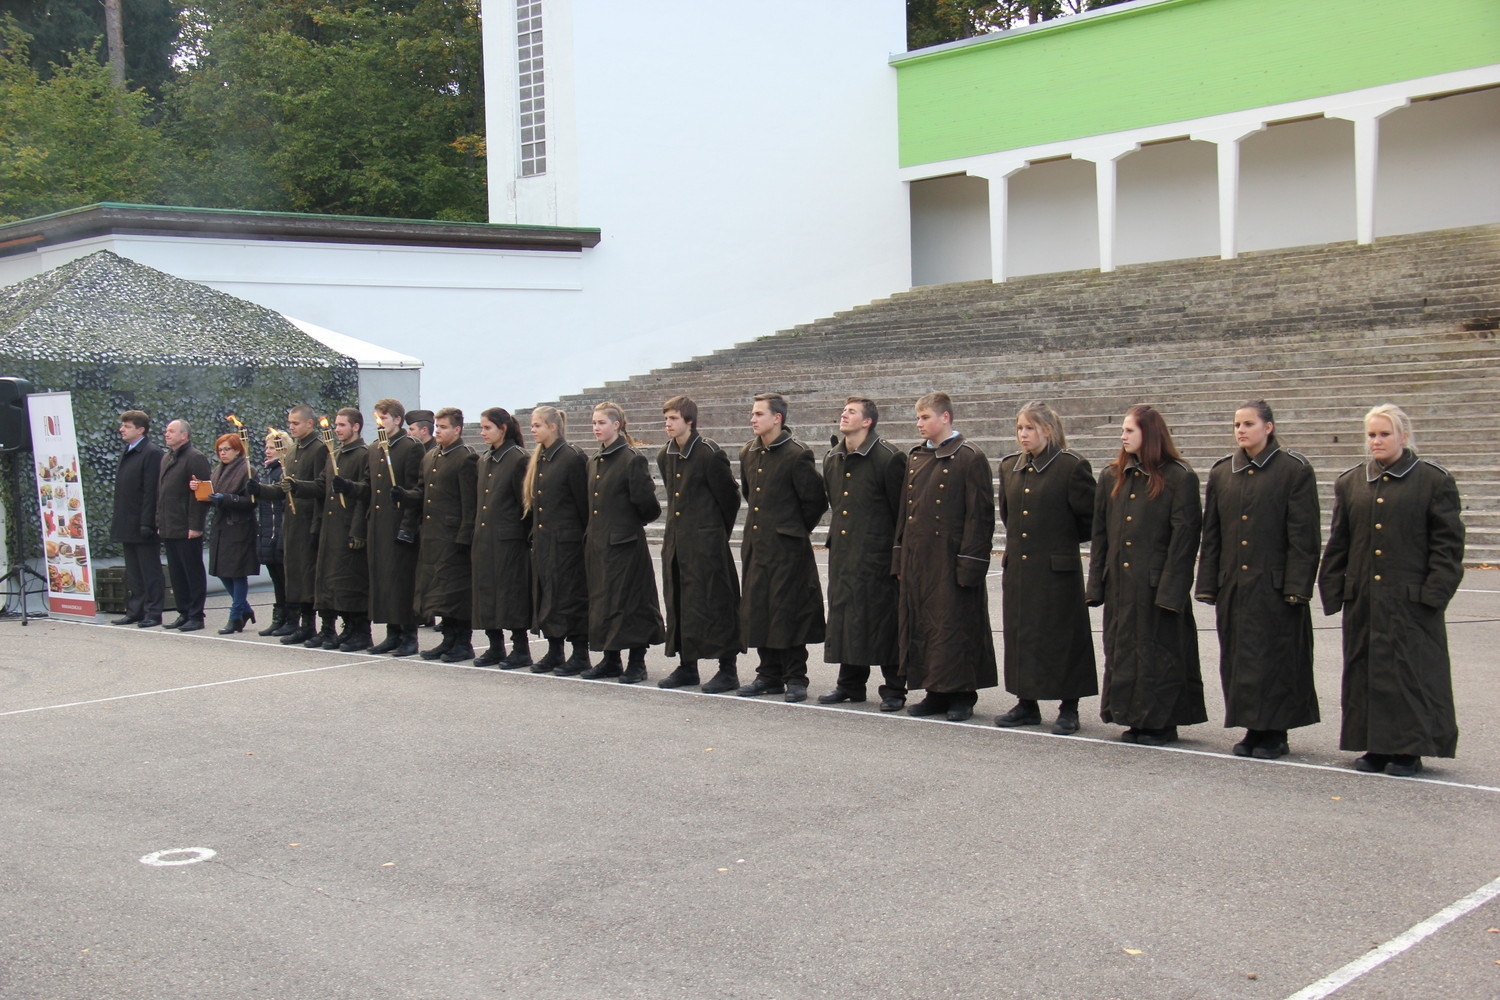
x,y
134,523
179,520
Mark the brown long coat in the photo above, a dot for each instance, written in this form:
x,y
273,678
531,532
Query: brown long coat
x,y
623,610
231,540
392,563
865,492
1047,506
305,464
1141,569
1260,546
699,580
942,554
177,510
444,570
781,601
501,554
559,511
344,573
1393,562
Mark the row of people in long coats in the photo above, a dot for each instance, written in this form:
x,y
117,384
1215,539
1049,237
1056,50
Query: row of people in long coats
x,y
555,543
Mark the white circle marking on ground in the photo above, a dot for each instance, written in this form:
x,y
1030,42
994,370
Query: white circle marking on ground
x,y
158,859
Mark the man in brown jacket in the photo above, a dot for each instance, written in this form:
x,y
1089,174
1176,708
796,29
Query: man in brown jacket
x,y
941,557
781,600
179,521
444,572
304,467
343,568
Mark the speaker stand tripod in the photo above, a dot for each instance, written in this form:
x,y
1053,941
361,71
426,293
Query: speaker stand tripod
x,y
14,581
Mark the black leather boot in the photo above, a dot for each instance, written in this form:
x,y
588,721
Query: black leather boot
x,y
552,660
495,655
359,634
390,642
321,638
686,675
442,647
408,642
307,625
278,619
635,667
608,666
726,680
520,651
461,643
576,664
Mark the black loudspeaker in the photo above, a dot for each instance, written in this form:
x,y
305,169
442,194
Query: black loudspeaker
x,y
15,428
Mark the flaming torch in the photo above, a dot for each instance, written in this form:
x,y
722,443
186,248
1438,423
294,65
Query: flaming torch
x,y
291,501
329,471
239,428
383,438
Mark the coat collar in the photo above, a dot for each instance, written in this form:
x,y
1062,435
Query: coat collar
x,y
1134,465
871,440
620,442
506,447
445,452
1040,462
1240,461
1400,467
948,448
676,452
782,439
550,453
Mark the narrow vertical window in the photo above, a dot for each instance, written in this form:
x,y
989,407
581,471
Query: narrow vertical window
x,y
532,100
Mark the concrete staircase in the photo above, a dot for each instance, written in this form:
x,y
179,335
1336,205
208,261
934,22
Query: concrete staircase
x,y
1321,333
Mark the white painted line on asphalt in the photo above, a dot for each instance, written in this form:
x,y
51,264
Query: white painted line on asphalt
x,y
1465,590
1377,957
187,687
158,859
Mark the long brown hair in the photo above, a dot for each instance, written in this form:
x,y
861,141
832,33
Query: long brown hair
x,y
1157,448
554,417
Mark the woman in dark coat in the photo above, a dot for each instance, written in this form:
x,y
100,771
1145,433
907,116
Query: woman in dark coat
x,y
623,609
1257,566
232,555
268,507
501,555
1147,521
1393,562
1046,501
557,500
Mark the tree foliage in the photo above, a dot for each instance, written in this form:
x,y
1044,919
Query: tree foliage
x,y
60,27
933,22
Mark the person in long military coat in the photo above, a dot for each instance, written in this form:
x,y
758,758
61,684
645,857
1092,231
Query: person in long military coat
x,y
444,569
343,567
232,555
1046,502
391,522
699,579
501,553
781,598
1257,566
1393,562
864,476
558,501
623,610
941,554
1147,522
302,519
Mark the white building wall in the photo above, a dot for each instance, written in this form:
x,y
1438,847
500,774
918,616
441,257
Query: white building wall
x,y
1416,191
1054,221
950,230
1297,185
1167,203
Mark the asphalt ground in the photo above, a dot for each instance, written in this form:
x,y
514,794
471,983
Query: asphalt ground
x,y
399,828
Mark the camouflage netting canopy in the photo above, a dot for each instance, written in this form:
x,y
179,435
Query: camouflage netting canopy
x,y
122,336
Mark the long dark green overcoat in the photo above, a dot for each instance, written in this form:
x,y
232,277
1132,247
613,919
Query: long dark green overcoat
x,y
501,554
559,513
1260,547
1141,569
1393,562
942,554
623,610
444,570
1046,503
781,600
699,580
344,573
304,465
393,563
864,492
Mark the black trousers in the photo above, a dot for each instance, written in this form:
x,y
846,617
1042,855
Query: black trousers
x,y
189,578
789,666
144,588
277,573
853,677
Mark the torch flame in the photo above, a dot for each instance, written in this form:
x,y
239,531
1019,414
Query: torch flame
x,y
323,422
234,420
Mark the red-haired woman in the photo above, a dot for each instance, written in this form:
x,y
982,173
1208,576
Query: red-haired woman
x,y
232,555
1147,519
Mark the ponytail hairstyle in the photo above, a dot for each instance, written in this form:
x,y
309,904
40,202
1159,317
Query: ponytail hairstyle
x,y
552,417
1045,417
1157,448
502,419
612,411
1400,423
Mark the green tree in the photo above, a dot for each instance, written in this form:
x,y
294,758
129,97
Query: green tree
x,y
71,138
933,22
60,27
347,107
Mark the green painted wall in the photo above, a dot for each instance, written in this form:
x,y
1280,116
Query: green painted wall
x,y
1173,61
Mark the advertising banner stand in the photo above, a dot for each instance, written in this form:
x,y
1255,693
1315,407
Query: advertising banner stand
x,y
60,504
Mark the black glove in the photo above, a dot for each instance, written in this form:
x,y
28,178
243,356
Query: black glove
x,y
341,485
405,537
148,534
356,544
288,484
400,494
217,499
252,488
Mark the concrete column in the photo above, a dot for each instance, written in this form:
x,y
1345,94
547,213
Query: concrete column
x,y
1104,160
998,172
1227,142
1366,119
